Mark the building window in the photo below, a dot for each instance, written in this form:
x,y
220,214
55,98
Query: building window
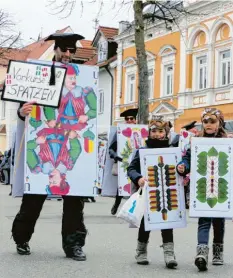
x,y
131,87
202,73
151,83
3,110
168,80
102,51
225,68
101,101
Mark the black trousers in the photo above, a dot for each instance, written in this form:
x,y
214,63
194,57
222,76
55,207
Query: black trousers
x,y
143,236
118,199
25,221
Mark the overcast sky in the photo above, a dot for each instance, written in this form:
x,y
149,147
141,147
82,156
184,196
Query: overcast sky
x,y
32,17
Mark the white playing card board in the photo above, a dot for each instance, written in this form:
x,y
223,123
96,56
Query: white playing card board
x,y
130,137
165,206
211,178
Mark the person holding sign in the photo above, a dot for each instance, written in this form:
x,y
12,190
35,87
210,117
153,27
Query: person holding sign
x,y
212,127
159,132
73,228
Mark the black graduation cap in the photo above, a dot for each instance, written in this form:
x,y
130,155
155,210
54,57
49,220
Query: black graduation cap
x,y
130,112
64,40
189,125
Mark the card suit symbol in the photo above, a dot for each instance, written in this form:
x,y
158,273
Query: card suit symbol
x,y
144,133
185,134
127,132
8,79
127,188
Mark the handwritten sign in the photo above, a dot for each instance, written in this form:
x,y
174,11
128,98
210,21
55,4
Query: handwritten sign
x,y
30,82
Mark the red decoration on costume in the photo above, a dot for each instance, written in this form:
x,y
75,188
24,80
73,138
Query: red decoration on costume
x,y
38,113
70,71
144,133
127,132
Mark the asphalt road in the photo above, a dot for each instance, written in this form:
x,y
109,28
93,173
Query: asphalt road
x,y
110,247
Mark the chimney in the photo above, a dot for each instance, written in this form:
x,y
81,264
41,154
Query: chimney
x,y
123,25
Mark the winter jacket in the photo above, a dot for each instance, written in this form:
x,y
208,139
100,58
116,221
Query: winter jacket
x,y
113,149
18,112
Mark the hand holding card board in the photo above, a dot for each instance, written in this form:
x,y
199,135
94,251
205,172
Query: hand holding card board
x,y
26,82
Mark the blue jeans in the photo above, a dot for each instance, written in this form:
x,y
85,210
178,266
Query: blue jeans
x,y
204,225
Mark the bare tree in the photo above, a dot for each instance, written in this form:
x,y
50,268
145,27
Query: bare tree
x,y
9,38
145,13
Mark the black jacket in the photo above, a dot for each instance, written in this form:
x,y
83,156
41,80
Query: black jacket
x,y
18,112
113,149
134,169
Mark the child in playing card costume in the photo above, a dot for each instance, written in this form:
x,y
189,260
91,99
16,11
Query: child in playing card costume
x,y
159,132
212,127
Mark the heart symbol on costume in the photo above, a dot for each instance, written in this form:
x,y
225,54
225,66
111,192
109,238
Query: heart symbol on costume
x,y
144,133
185,134
127,132
127,188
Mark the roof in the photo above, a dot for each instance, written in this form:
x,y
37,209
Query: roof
x,y
84,53
12,54
94,61
37,49
86,43
108,32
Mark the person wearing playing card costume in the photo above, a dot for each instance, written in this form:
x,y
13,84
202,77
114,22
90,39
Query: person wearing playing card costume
x,y
130,118
55,159
212,127
159,133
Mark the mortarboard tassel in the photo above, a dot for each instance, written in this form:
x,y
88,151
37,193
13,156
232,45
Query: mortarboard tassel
x,y
52,76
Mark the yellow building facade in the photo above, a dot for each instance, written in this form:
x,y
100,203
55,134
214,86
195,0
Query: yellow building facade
x,y
189,68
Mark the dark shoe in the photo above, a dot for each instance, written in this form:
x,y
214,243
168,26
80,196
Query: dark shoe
x,y
92,200
72,245
23,249
114,209
86,200
77,254
10,194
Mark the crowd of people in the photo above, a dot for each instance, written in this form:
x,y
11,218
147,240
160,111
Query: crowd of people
x,y
74,231
213,126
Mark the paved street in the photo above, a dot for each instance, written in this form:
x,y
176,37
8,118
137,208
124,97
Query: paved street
x,y
110,247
